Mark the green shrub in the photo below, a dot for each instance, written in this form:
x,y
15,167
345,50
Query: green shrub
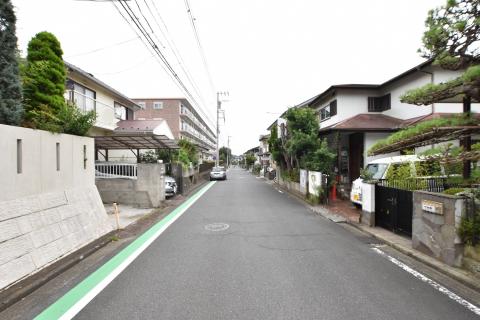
x,y
454,191
67,119
469,230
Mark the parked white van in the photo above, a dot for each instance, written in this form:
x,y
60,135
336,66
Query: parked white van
x,y
378,170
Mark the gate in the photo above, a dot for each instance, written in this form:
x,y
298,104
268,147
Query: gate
x,y
394,209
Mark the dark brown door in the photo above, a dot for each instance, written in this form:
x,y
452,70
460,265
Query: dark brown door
x,y
356,155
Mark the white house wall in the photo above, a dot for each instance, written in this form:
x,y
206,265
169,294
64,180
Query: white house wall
x,y
349,104
370,139
104,104
404,110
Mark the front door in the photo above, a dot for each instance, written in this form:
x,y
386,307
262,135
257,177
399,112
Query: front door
x,y
356,155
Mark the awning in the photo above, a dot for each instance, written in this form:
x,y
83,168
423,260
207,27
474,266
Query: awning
x,y
126,140
138,134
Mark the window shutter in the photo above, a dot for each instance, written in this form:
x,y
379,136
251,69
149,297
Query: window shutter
x,y
371,104
333,108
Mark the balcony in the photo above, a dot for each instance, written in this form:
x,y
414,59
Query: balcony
x,y
190,116
105,113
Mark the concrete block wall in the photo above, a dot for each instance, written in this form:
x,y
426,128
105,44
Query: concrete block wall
x,y
51,206
147,191
37,230
435,234
39,172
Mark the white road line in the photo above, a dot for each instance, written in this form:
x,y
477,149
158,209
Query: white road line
x,y
434,284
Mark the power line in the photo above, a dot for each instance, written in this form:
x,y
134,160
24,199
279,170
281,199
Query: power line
x,y
175,52
156,49
129,68
102,48
173,48
200,48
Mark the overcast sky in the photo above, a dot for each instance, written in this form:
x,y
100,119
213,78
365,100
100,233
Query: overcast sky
x,y
268,54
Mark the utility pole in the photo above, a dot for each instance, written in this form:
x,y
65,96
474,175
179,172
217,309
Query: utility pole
x,y
219,111
228,150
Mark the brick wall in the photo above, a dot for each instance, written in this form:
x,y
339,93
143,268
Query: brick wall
x,y
170,112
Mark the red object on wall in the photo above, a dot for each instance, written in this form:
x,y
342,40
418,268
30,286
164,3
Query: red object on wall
x,y
333,193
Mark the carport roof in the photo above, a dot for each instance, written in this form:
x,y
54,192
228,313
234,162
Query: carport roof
x,y
138,134
134,140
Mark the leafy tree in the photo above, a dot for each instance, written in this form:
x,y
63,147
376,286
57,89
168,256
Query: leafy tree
x,y
187,153
250,159
44,78
11,109
302,135
275,146
321,158
223,152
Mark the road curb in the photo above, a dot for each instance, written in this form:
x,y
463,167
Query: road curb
x,y
28,285
24,287
436,265
470,282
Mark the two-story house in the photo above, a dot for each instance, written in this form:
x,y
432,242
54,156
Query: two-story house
x,y
353,117
115,114
90,93
182,118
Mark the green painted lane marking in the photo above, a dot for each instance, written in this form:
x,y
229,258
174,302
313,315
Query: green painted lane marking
x,y
77,298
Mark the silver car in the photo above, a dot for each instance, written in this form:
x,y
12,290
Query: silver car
x,y
218,173
170,186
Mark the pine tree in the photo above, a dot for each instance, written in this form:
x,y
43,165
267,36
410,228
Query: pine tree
x,y
44,77
11,109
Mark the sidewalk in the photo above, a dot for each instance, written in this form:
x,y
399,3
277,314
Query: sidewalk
x,y
344,212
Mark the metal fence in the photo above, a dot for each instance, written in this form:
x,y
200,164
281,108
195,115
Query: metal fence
x,y
111,170
433,184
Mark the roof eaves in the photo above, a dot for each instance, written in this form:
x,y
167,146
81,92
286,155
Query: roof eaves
x,y
102,84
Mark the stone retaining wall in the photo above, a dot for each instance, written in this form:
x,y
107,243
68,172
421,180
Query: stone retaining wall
x,y
436,234
37,230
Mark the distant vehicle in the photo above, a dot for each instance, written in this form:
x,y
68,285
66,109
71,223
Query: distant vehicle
x,y
170,186
218,173
378,170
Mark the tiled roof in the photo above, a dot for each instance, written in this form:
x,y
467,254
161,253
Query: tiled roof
x,y
367,122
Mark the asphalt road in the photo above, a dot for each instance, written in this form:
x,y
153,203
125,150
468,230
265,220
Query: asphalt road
x,y
277,260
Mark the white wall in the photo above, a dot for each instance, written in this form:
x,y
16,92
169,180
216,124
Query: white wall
x,y
45,213
104,106
370,139
39,171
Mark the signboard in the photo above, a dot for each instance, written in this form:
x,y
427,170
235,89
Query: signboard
x,y
432,206
314,182
303,180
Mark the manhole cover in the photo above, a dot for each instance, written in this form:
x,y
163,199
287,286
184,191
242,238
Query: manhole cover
x,y
217,226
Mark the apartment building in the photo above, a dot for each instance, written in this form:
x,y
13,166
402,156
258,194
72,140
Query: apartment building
x,y
182,118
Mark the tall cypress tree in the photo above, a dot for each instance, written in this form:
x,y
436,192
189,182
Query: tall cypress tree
x,y
44,76
11,109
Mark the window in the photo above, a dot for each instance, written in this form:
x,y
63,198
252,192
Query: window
x,y
142,104
328,111
83,97
120,111
157,105
379,104
183,109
